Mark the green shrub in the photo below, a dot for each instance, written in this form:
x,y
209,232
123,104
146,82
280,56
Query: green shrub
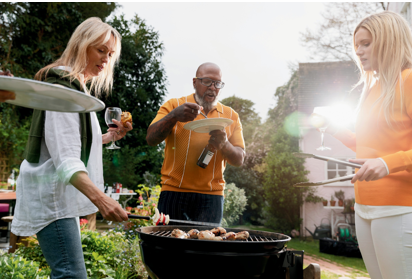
x,y
32,252
234,205
99,254
17,267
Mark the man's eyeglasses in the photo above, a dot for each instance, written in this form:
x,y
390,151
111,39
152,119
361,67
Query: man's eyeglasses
x,y
208,82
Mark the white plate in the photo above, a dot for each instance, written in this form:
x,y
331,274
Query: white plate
x,y
46,96
208,125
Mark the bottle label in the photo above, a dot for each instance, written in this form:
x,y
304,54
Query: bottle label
x,y
208,157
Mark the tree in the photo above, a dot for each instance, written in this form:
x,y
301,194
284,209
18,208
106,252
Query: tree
x,y
32,35
246,177
249,118
138,87
333,39
282,200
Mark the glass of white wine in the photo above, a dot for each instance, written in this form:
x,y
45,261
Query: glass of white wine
x,y
319,120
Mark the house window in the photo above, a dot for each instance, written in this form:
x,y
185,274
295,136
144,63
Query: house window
x,y
406,12
336,170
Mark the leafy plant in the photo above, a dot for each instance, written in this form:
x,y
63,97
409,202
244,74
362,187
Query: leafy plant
x,y
340,195
99,254
148,199
234,204
17,267
32,252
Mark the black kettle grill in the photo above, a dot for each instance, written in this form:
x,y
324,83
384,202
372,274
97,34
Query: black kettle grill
x,y
262,255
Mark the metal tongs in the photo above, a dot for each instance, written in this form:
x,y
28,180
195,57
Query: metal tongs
x,y
319,183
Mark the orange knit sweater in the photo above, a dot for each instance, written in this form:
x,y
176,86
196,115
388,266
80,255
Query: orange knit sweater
x,y
374,138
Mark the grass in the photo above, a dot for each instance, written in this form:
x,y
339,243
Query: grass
x,y
311,248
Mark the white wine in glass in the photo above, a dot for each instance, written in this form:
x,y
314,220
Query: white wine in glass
x,y
112,113
319,120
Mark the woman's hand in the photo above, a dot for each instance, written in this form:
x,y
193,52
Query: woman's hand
x,y
372,169
116,133
6,95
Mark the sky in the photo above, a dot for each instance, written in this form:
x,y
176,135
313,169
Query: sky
x,y
253,43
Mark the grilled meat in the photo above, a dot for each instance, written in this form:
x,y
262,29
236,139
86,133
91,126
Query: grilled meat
x,y
243,235
206,235
193,233
218,231
179,234
230,236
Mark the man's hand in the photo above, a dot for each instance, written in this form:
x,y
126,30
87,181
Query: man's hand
x,y
218,139
157,132
186,112
372,169
234,155
6,95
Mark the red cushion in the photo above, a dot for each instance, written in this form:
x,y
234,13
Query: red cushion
x,y
4,207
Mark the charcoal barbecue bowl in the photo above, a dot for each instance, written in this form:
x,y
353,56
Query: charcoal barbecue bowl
x,y
169,257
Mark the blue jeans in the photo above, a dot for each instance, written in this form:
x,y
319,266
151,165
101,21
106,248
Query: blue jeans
x,y
61,245
191,206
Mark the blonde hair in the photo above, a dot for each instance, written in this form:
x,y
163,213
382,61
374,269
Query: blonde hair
x,y
91,32
392,44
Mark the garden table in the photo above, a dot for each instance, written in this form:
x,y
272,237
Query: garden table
x,y
116,197
7,196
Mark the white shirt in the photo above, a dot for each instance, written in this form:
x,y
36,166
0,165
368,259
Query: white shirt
x,y
44,193
371,212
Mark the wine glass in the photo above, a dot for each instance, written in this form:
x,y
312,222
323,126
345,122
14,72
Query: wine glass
x,y
318,119
112,113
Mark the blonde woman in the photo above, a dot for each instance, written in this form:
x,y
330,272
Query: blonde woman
x,y
383,144
61,177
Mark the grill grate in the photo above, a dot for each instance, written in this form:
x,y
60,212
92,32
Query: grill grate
x,y
252,238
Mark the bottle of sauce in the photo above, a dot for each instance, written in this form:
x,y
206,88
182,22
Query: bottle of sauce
x,y
206,156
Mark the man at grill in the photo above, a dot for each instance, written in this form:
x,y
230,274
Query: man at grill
x,y
191,192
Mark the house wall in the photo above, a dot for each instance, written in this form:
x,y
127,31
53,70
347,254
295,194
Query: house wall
x,y
313,213
323,84
402,8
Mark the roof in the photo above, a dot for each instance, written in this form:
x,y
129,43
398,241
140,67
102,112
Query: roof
x,y
327,83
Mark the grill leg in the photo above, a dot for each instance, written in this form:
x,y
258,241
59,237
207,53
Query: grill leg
x,y
312,271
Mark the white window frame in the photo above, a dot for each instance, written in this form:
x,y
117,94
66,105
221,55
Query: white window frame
x,y
349,170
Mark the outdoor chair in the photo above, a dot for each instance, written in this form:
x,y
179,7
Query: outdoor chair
x,y
14,239
4,211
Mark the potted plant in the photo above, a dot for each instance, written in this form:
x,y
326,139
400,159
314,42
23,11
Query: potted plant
x,y
347,205
340,195
325,202
332,201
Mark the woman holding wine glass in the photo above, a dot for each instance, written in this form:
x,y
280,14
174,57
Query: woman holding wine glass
x,y
110,114
61,177
383,145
